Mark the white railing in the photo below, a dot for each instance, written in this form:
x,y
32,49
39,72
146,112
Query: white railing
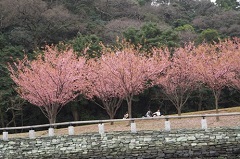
x,y
101,124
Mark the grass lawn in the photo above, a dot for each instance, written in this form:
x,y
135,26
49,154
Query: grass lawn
x,y
153,124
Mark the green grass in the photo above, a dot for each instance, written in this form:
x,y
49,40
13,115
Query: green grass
x,y
223,110
150,124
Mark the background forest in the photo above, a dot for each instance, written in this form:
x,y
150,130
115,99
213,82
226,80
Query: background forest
x,y
28,25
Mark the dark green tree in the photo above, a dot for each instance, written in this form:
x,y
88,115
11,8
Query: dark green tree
x,y
226,23
209,36
93,43
185,27
228,4
10,103
150,35
34,23
132,36
186,34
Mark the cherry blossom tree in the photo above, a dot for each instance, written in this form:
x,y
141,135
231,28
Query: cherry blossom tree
x,y
215,67
103,87
50,81
131,71
180,78
232,47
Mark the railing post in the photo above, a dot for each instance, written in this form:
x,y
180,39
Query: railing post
x,y
101,128
167,125
5,135
133,127
31,134
51,131
204,122
70,130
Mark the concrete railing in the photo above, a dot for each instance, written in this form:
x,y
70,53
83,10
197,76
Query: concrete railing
x,y
101,124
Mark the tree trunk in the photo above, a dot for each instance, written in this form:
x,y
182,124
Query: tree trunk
x,y
110,114
2,118
216,104
22,119
179,110
130,109
200,97
52,119
111,117
75,113
12,120
217,95
129,103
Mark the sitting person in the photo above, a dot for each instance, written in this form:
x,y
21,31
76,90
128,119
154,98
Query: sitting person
x,y
125,115
157,113
148,114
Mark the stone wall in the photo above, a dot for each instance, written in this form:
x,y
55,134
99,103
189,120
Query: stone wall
x,y
211,143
